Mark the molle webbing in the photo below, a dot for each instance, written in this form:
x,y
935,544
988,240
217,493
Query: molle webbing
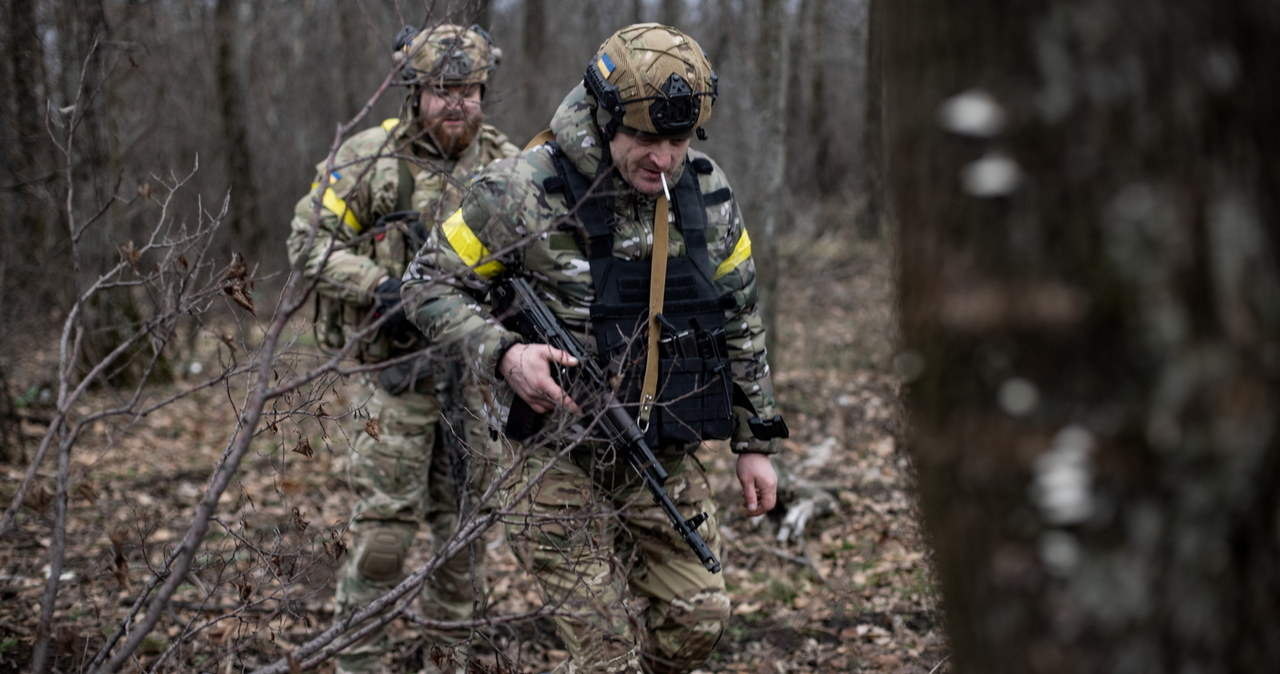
x,y
694,395
591,198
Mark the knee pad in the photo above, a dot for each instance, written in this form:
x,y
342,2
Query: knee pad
x,y
382,556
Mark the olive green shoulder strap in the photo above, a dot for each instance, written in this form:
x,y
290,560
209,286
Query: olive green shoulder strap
x,y
404,178
404,187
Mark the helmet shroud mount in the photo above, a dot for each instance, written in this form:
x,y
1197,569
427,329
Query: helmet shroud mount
x,y
652,80
445,55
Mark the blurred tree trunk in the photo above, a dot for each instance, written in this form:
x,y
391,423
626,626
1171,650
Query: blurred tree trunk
x,y
11,445
93,171
872,216
82,25
768,208
599,21
671,13
245,229
533,65
812,76
483,13
23,166
1088,205
347,16
84,162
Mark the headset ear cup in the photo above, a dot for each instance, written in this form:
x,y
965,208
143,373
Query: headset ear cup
x,y
403,38
400,54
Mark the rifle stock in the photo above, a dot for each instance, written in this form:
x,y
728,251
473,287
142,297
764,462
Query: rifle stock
x,y
520,309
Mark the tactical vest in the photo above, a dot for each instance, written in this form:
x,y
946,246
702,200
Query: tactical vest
x,y
694,382
391,242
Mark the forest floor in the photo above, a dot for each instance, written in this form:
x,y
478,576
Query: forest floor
x,y
853,593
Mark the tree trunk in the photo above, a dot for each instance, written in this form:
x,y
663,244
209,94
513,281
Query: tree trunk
x,y
92,174
671,13
24,173
1089,230
86,35
86,176
533,64
483,13
811,78
245,228
773,91
347,16
872,216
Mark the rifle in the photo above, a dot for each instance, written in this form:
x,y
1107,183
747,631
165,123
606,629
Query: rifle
x,y
521,310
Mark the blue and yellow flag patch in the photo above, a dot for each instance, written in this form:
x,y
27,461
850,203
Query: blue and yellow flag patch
x,y
605,65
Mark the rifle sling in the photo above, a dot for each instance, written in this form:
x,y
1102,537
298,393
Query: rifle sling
x,y
657,288
542,138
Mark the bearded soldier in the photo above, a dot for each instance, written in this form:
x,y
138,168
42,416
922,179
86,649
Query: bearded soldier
x,y
583,217
384,182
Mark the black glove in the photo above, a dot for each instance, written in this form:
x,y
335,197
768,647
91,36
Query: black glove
x,y
386,300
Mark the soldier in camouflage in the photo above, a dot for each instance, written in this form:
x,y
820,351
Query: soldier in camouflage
x,y
354,235
628,592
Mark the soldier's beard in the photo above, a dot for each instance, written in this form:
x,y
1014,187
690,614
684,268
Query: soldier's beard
x,y
453,139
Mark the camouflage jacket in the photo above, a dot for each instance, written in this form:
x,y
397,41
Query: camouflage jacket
x,y
350,253
509,223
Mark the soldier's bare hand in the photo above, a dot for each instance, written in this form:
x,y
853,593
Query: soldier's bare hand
x,y
759,483
527,369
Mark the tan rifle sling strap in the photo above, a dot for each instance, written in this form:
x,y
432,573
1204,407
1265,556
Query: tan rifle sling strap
x,y
543,136
657,289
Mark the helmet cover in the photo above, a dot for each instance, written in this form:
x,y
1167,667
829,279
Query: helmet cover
x,y
446,55
653,80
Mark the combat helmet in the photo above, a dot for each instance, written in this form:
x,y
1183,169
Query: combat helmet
x,y
446,55
652,80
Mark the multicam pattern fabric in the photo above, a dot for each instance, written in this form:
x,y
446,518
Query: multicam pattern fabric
x,y
584,528
638,59
348,256
510,223
402,478
589,531
449,55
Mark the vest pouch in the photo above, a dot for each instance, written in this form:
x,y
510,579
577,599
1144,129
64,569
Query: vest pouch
x,y
694,389
328,329
693,402
336,322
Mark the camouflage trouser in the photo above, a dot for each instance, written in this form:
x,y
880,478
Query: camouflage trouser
x,y
607,558
400,481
